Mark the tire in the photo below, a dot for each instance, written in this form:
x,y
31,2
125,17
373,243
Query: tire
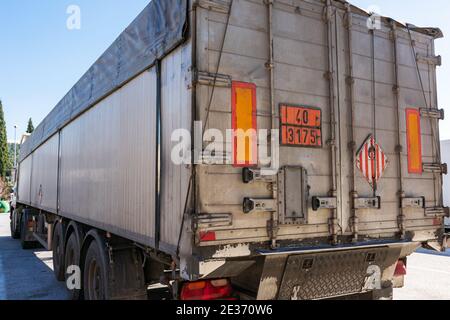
x,y
58,252
72,258
26,245
386,293
95,274
15,227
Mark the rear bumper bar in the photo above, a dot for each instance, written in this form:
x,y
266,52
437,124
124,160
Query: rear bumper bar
x,y
329,273
320,249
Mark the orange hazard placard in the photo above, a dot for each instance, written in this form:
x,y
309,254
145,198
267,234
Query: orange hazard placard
x,y
300,126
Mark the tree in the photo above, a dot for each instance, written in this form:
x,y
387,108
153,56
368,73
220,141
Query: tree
x,y
4,152
30,127
11,149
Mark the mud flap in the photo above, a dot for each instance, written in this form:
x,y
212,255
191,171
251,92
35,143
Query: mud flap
x,y
271,277
325,275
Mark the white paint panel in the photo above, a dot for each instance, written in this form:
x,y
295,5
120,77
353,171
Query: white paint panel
x,y
23,195
44,178
445,154
108,162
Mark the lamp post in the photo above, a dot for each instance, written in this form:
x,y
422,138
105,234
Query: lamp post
x,y
15,150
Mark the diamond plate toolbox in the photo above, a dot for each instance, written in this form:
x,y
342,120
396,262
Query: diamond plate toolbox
x,y
332,274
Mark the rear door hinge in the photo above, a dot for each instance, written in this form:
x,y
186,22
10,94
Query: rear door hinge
x,y
252,175
323,203
432,113
367,203
327,12
413,203
435,168
436,211
218,158
211,221
214,5
433,60
259,205
209,79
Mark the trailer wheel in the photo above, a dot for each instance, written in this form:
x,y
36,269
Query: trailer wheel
x,y
24,233
15,226
72,258
123,279
58,252
23,243
95,275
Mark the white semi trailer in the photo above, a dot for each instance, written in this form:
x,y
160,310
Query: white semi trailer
x,y
350,184
445,150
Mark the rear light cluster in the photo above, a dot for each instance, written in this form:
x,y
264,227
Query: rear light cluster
x,y
30,225
207,236
400,269
207,290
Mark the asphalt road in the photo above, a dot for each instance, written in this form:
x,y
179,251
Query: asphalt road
x,y
28,275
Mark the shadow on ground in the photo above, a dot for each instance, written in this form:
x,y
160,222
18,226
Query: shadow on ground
x,y
26,274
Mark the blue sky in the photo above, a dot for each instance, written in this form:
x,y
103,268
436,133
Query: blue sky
x,y
40,59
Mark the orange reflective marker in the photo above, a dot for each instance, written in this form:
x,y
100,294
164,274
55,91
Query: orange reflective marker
x,y
414,140
244,123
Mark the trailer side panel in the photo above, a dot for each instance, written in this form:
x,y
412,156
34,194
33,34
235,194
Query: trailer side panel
x,y
107,164
24,191
44,176
175,116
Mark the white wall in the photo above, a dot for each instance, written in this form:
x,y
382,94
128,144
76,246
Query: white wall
x,y
445,154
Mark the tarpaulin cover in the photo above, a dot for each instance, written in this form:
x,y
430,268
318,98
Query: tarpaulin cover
x,y
156,31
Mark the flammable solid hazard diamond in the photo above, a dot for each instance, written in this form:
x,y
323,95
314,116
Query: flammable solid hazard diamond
x,y
372,161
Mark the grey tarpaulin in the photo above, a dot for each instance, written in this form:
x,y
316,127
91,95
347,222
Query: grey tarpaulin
x,y
156,31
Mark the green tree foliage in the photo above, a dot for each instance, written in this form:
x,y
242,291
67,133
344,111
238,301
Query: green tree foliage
x,y
11,153
30,127
4,154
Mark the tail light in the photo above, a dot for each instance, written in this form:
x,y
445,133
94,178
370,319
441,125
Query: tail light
x,y
400,269
207,290
30,225
207,236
